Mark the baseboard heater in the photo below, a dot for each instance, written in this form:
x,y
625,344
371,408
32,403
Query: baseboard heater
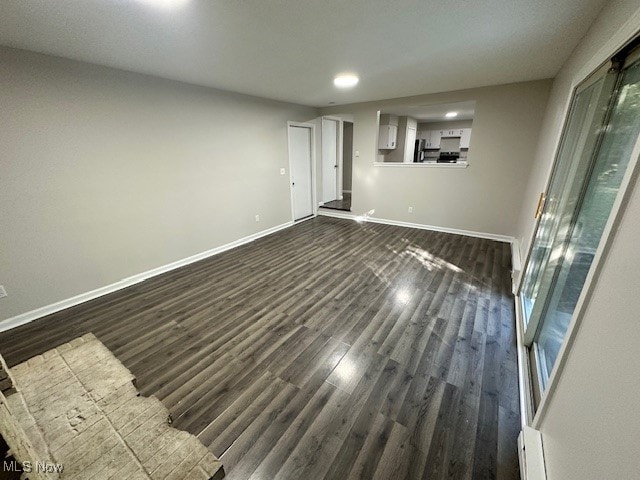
x,y
531,455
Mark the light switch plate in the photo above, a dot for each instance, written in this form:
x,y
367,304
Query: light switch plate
x,y
3,292
282,171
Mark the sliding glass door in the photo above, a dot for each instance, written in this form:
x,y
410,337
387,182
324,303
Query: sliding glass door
x,y
583,128
596,149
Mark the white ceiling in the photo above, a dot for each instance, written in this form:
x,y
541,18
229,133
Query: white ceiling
x,y
435,113
291,49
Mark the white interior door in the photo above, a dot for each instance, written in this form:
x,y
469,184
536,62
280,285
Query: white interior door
x,y
301,171
329,159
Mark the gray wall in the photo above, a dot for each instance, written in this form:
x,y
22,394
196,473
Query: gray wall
x,y
590,423
347,155
106,174
486,197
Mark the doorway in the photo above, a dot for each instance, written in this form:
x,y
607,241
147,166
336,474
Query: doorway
x,y
344,177
301,168
330,158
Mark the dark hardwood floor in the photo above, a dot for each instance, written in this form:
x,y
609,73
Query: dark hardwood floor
x,y
331,350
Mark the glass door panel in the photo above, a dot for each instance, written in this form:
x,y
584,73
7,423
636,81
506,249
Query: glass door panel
x,y
591,216
584,127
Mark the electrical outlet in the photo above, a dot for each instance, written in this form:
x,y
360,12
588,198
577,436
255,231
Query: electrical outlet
x,y
3,292
282,171
410,209
257,218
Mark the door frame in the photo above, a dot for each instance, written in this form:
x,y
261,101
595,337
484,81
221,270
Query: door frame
x,y
532,400
312,140
534,325
339,156
532,416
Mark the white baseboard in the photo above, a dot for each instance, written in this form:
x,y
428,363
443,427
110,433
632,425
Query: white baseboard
x,y
305,219
365,218
337,214
127,282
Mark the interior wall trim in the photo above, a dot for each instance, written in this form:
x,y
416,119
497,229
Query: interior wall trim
x,y
456,231
32,315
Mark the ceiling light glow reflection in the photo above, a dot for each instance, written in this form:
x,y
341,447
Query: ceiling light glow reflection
x,y
451,114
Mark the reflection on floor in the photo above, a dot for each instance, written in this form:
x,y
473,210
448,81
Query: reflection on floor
x,y
344,204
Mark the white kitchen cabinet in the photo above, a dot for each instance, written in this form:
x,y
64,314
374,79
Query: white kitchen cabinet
x,y
465,138
454,132
387,137
433,140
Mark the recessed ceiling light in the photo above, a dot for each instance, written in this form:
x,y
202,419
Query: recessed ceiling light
x,y
451,114
346,80
165,4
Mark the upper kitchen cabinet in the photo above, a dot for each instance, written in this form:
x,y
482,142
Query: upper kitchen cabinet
x,y
455,132
463,133
388,132
387,137
432,139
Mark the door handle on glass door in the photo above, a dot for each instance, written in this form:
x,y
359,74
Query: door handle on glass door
x,y
540,207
